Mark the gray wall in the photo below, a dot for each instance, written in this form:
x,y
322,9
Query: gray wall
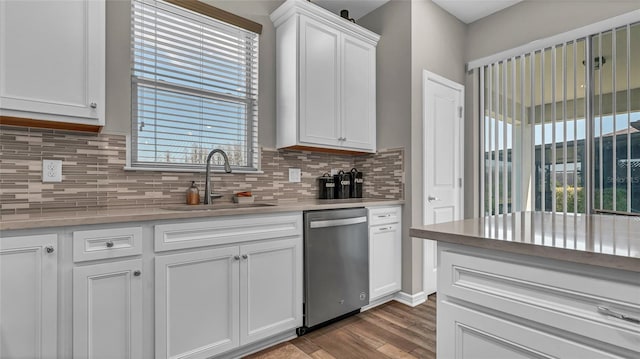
x,y
437,45
393,94
536,19
118,111
416,35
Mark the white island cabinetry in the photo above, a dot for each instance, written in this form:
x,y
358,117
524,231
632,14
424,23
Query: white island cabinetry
x,y
501,305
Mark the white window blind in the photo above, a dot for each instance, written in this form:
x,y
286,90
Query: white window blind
x,y
194,88
561,127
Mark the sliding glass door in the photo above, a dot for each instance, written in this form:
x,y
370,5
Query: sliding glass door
x,y
561,127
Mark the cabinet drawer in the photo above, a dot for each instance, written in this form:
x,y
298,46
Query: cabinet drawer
x,y
106,243
384,215
568,297
226,230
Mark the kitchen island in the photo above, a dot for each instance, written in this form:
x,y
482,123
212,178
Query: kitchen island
x,y
540,285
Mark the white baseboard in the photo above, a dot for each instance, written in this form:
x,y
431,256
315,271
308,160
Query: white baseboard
x,y
258,346
411,299
379,301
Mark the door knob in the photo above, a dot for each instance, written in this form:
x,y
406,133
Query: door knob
x,y
432,198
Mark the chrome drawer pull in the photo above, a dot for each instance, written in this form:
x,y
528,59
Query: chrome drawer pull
x,y
385,215
611,313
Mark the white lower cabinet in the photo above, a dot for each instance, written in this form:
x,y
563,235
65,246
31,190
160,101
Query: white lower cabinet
x,y
270,288
29,296
107,310
385,251
197,303
217,299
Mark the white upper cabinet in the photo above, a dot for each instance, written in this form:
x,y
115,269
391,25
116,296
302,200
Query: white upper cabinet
x,y
326,80
52,60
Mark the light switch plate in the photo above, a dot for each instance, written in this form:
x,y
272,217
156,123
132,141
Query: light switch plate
x,y
51,171
294,175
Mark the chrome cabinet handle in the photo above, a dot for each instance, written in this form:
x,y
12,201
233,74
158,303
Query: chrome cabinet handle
x,y
137,273
236,258
244,256
93,105
49,249
384,228
109,244
385,215
432,198
608,312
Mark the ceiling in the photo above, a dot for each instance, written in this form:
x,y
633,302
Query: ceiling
x,y
469,11
357,8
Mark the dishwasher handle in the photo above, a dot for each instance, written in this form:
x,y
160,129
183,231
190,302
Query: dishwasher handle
x,y
337,222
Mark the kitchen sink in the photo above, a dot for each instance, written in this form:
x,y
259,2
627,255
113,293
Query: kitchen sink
x,y
216,206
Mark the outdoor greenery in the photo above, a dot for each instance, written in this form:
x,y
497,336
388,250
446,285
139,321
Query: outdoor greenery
x,y
607,199
572,192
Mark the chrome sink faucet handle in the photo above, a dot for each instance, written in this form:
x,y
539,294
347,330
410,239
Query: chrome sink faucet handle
x,y
207,183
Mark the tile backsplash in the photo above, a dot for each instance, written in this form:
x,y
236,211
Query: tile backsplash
x,y
94,176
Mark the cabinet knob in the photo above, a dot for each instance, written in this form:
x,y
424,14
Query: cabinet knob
x,y
93,105
109,244
49,249
244,256
236,258
137,273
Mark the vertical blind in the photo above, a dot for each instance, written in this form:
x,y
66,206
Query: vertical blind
x,y
194,88
560,127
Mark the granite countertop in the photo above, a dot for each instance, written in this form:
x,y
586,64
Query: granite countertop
x,y
167,212
601,240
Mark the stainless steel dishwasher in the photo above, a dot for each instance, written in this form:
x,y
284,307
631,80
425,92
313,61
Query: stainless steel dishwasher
x,y
336,264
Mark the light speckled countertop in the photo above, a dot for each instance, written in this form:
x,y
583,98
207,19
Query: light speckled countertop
x,y
75,218
602,240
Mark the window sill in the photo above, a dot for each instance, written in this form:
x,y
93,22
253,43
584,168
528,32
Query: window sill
x,y
185,170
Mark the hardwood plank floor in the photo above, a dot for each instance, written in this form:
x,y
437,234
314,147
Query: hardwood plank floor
x,y
392,330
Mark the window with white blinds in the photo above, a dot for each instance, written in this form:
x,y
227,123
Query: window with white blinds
x,y
194,89
561,127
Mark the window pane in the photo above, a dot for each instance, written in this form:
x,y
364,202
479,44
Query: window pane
x,y
194,85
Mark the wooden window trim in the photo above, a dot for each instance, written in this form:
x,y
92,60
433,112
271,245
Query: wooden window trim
x,y
218,14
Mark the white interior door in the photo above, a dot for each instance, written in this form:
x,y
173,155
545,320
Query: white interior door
x,y
443,161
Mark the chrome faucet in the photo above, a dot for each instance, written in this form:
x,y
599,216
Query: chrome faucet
x,y
207,182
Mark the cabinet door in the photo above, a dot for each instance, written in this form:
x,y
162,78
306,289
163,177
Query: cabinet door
x,y
319,84
28,296
384,260
197,303
52,60
271,288
471,333
107,310
358,83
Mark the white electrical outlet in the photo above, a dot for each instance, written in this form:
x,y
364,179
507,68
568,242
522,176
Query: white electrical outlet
x,y
334,171
294,175
51,171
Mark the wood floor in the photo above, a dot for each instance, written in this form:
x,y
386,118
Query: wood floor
x,y
392,330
